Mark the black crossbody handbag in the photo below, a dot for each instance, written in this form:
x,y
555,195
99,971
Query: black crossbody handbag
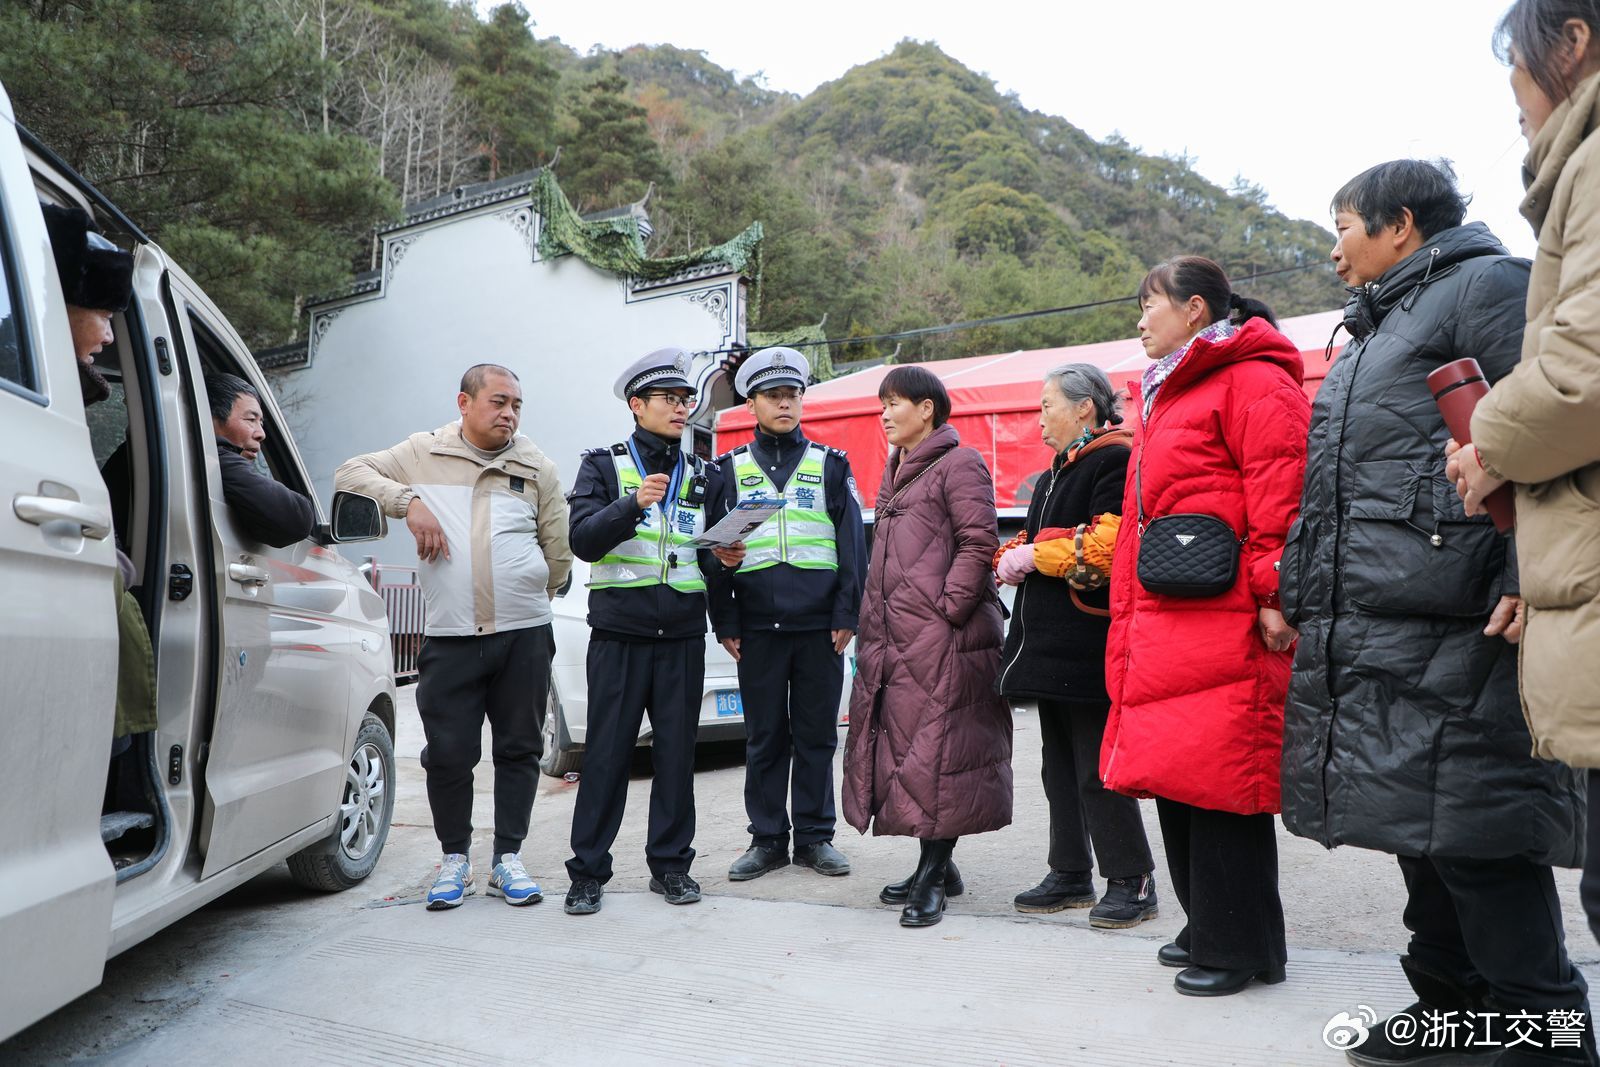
x,y
1189,555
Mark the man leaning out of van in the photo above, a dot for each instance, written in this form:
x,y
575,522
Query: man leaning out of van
x,y
490,521
268,512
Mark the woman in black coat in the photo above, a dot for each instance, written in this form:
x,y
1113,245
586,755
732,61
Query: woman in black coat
x,y
1056,648
1403,731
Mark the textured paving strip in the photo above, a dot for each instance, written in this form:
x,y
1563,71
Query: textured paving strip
x,y
750,982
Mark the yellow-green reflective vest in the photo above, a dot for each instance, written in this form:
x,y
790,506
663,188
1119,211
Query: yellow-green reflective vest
x,y
802,534
645,559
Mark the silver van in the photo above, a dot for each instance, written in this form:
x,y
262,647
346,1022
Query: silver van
x,y
275,693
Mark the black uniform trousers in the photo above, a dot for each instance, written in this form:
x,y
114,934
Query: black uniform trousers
x,y
1497,921
1081,807
1224,870
627,679
460,680
790,685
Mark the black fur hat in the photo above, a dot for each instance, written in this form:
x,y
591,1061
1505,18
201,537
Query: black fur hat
x,y
94,272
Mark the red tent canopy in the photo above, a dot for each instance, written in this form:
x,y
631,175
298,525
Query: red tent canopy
x,y
994,402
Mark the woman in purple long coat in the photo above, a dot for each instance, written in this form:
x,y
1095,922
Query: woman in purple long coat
x,y
929,749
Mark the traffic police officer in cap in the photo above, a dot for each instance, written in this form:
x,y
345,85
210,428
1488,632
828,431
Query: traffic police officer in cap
x,y
634,507
787,616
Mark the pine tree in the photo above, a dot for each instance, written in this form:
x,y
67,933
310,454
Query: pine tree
x,y
612,159
188,114
512,87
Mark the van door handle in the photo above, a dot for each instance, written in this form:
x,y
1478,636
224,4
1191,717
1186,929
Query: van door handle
x,y
42,509
245,574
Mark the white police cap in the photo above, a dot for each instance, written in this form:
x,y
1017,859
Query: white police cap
x,y
665,368
769,368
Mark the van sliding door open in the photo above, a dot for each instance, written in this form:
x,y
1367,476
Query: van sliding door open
x,y
276,756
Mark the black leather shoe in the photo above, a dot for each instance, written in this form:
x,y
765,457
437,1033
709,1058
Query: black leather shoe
x,y
925,901
1059,891
758,860
677,887
584,897
1197,981
1128,902
1171,955
823,858
896,892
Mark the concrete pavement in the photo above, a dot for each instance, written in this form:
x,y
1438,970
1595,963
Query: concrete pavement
x,y
790,968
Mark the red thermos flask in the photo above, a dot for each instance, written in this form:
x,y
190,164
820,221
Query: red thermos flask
x,y
1457,387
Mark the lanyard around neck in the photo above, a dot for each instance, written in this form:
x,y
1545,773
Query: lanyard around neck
x,y
669,503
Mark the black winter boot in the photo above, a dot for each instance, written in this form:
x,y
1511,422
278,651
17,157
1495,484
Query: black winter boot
x,y
1059,890
925,903
1437,994
1128,902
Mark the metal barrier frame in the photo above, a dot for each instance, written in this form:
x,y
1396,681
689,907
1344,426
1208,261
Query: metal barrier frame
x,y
402,601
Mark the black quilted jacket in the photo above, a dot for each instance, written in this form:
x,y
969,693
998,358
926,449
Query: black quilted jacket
x,y
1403,731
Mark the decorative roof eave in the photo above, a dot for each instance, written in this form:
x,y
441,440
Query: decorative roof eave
x,y
465,198
294,354
611,240
368,282
616,244
698,272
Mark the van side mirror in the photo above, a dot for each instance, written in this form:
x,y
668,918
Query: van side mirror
x,y
357,518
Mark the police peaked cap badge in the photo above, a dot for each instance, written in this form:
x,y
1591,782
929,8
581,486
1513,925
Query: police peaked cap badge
x,y
769,368
94,272
665,368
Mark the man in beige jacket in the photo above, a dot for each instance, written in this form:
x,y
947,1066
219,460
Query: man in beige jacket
x,y
490,521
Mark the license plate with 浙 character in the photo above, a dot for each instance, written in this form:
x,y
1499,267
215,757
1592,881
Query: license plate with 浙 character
x,y
729,703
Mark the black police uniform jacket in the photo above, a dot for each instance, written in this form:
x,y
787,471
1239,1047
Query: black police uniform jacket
x,y
1403,730
600,520
796,599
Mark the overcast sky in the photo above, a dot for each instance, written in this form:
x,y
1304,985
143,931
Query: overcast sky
x,y
1295,95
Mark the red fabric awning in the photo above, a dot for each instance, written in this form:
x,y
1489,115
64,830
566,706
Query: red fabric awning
x,y
994,406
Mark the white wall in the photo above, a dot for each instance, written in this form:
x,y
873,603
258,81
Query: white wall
x,y
466,290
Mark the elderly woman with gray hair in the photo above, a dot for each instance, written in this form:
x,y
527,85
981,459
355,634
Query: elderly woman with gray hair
x,y
1056,648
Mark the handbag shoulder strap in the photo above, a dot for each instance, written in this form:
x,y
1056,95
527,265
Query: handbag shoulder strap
x,y
898,493
1138,486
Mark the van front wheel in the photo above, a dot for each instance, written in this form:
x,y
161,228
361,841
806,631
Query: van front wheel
x,y
345,857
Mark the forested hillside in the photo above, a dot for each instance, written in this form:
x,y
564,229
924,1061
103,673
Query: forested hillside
x,y
262,140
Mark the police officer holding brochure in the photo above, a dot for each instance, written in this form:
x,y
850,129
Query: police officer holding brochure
x,y
787,616
635,508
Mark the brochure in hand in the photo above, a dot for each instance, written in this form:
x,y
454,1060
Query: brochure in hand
x,y
745,518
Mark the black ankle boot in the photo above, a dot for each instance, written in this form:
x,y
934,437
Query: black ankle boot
x,y
925,902
897,892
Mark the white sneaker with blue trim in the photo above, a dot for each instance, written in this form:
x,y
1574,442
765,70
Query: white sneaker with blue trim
x,y
453,884
510,880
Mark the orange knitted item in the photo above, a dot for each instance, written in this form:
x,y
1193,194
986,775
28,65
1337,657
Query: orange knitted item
x,y
1020,539
1058,553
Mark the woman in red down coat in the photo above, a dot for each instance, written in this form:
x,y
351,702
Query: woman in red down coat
x,y
1198,685
928,754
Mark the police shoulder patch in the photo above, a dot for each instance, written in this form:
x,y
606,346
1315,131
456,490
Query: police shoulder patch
x,y
619,449
602,451
841,453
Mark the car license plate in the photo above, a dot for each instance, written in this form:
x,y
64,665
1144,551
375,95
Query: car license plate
x,y
729,703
